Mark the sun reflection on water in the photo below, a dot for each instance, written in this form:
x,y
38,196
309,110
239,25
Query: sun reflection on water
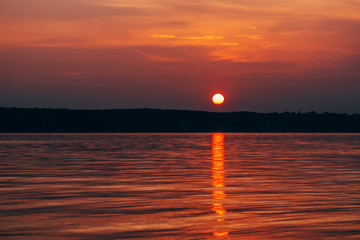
x,y
218,182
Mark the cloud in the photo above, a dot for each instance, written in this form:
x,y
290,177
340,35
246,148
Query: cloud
x,y
250,36
64,10
234,10
166,36
157,58
251,27
271,45
229,44
318,24
176,53
202,37
170,36
172,24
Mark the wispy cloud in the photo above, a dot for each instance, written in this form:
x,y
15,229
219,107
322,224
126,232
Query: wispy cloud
x,y
170,36
166,36
157,58
251,27
229,44
271,45
65,10
250,36
202,37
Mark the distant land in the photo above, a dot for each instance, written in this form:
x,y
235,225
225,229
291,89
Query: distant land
x,y
157,120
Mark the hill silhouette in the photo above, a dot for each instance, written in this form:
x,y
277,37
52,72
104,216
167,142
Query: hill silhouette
x,y
157,120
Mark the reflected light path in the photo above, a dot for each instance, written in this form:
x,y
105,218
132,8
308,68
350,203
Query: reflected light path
x,y
218,182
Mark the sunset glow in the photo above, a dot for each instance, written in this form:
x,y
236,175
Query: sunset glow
x,y
130,54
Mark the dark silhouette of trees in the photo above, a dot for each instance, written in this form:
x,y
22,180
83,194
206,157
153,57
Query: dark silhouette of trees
x,y
157,120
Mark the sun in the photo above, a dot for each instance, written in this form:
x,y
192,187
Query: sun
x,y
218,98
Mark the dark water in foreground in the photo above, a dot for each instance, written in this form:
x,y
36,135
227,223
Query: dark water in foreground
x,y
180,186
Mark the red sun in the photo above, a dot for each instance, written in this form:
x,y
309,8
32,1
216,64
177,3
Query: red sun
x,y
218,98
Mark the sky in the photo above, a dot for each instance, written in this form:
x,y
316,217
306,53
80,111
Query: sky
x,y
263,55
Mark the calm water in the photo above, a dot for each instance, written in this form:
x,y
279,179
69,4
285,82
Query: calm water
x,y
180,186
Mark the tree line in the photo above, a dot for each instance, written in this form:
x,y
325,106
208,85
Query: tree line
x,y
158,120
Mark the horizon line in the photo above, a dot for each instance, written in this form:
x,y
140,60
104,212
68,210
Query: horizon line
x,y
172,109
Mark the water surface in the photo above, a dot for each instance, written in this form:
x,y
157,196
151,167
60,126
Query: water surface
x,y
180,186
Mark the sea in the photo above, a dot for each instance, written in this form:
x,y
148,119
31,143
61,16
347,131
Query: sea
x,y
248,186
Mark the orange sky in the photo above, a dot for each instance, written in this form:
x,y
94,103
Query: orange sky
x,y
263,55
